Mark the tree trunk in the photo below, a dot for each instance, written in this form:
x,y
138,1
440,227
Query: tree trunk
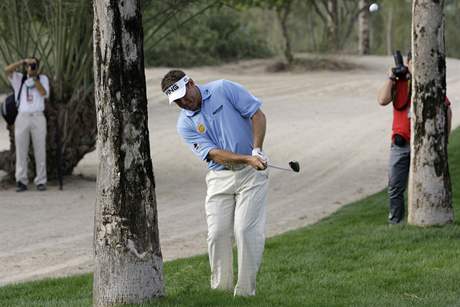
x,y
333,24
311,30
73,125
389,36
8,157
128,260
283,16
430,191
363,27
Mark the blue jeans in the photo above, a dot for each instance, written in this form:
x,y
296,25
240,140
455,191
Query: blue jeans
x,y
397,183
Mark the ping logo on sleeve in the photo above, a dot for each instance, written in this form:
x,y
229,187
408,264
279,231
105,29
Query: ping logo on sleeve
x,y
201,128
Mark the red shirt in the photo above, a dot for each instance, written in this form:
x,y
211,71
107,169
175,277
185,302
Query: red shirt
x,y
401,109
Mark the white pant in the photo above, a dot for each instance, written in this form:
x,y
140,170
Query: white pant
x,y
25,126
235,207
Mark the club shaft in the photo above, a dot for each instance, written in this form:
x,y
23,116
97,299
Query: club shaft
x,y
281,168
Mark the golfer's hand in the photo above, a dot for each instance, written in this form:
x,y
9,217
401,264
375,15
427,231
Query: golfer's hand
x,y
257,163
258,152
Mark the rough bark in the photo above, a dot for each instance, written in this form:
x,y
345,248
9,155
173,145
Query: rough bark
x,y
363,23
430,191
128,260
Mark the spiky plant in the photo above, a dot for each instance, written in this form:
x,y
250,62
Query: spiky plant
x,y
59,33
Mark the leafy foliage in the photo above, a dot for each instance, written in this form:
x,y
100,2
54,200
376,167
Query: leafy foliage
x,y
207,32
58,33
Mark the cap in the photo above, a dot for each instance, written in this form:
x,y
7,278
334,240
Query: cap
x,y
177,90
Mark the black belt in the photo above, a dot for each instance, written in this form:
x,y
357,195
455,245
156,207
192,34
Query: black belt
x,y
234,167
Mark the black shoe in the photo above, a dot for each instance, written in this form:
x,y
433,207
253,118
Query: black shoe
x,y
20,187
41,187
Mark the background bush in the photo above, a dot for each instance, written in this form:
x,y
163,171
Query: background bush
x,y
216,36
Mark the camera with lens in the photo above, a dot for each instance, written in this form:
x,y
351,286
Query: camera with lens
x,y
33,66
400,71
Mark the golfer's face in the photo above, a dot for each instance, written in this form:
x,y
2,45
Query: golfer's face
x,y
191,101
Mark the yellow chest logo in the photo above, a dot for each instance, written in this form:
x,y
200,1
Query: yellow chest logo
x,y
201,128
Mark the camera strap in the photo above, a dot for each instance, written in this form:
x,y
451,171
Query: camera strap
x,y
18,102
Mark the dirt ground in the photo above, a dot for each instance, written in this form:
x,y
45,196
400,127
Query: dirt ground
x,y
328,121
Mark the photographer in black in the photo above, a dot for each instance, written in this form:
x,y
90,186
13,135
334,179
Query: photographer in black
x,y
397,89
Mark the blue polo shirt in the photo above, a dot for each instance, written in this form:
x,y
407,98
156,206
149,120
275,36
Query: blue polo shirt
x,y
223,122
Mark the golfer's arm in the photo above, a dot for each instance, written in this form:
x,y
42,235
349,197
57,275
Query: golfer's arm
x,y
385,93
226,157
259,124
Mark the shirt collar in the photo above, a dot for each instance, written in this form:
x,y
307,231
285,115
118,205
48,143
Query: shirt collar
x,y
205,94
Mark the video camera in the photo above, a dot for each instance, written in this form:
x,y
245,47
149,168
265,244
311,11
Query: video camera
x,y
400,71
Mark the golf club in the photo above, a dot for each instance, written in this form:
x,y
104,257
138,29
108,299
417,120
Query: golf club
x,y
294,166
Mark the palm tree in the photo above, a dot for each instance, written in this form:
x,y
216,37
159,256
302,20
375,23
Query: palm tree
x,y
57,32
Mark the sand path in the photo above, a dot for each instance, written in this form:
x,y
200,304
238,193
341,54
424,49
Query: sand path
x,y
329,121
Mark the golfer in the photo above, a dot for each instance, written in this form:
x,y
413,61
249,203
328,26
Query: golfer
x,y
223,124
397,89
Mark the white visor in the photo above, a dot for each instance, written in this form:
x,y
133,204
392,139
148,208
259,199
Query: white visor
x,y
177,90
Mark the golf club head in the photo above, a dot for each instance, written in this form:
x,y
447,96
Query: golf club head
x,y
295,166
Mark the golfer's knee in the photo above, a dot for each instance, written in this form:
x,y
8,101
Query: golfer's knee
x,y
219,233
245,232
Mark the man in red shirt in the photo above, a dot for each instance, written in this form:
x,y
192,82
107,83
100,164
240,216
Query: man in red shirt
x,y
397,89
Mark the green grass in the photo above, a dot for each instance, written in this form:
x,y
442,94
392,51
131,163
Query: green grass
x,y
352,258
